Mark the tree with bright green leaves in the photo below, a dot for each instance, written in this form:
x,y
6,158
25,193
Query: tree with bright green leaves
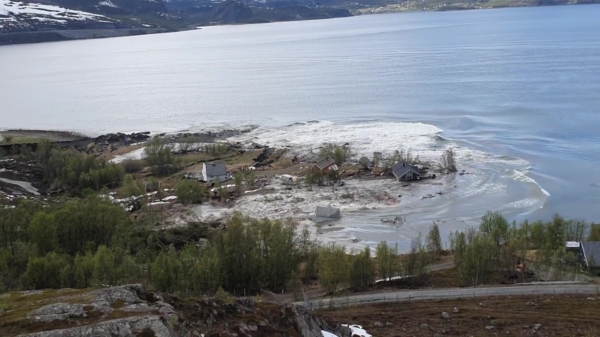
x,y
434,242
200,270
132,187
239,183
190,192
42,233
594,234
83,270
239,254
474,255
387,260
85,221
159,156
14,222
104,266
415,262
333,267
46,272
308,250
494,226
14,259
362,270
78,170
165,270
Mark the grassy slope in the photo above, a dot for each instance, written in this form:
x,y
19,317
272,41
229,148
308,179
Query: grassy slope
x,y
509,316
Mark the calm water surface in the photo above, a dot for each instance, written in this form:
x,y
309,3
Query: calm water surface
x,y
518,82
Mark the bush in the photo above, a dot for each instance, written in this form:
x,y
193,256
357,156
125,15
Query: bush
x,y
133,165
224,296
190,192
131,187
448,161
338,153
78,170
159,156
399,156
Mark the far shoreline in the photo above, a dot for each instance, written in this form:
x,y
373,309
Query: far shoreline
x,y
30,37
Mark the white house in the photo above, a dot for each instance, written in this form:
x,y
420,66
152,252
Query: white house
x,y
211,172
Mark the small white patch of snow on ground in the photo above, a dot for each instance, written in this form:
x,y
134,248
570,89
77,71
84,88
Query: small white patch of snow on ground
x,y
135,154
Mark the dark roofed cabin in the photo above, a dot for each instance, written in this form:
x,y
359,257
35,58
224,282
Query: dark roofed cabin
x,y
406,172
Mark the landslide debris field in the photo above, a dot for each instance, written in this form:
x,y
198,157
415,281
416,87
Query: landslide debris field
x,y
557,315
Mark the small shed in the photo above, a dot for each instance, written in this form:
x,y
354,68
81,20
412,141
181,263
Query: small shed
x,y
325,213
325,165
213,171
403,171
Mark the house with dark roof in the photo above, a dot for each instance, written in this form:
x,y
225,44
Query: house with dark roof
x,y
325,165
403,171
213,171
591,254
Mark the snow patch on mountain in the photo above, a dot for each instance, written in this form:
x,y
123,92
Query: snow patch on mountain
x,y
16,15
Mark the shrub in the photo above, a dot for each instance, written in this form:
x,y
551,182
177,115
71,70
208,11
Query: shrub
x,y
190,192
338,153
131,165
80,171
131,187
224,296
159,156
448,161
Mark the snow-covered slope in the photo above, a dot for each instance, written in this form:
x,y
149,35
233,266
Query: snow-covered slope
x,y
19,16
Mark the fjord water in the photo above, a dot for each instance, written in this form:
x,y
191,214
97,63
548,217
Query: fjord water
x,y
520,83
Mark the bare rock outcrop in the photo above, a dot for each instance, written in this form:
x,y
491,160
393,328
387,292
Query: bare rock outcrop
x,y
125,327
57,312
143,313
308,324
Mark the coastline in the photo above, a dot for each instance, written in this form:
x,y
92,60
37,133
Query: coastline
x,y
368,204
27,37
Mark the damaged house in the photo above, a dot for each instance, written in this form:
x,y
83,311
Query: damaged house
x,y
323,213
403,171
324,166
